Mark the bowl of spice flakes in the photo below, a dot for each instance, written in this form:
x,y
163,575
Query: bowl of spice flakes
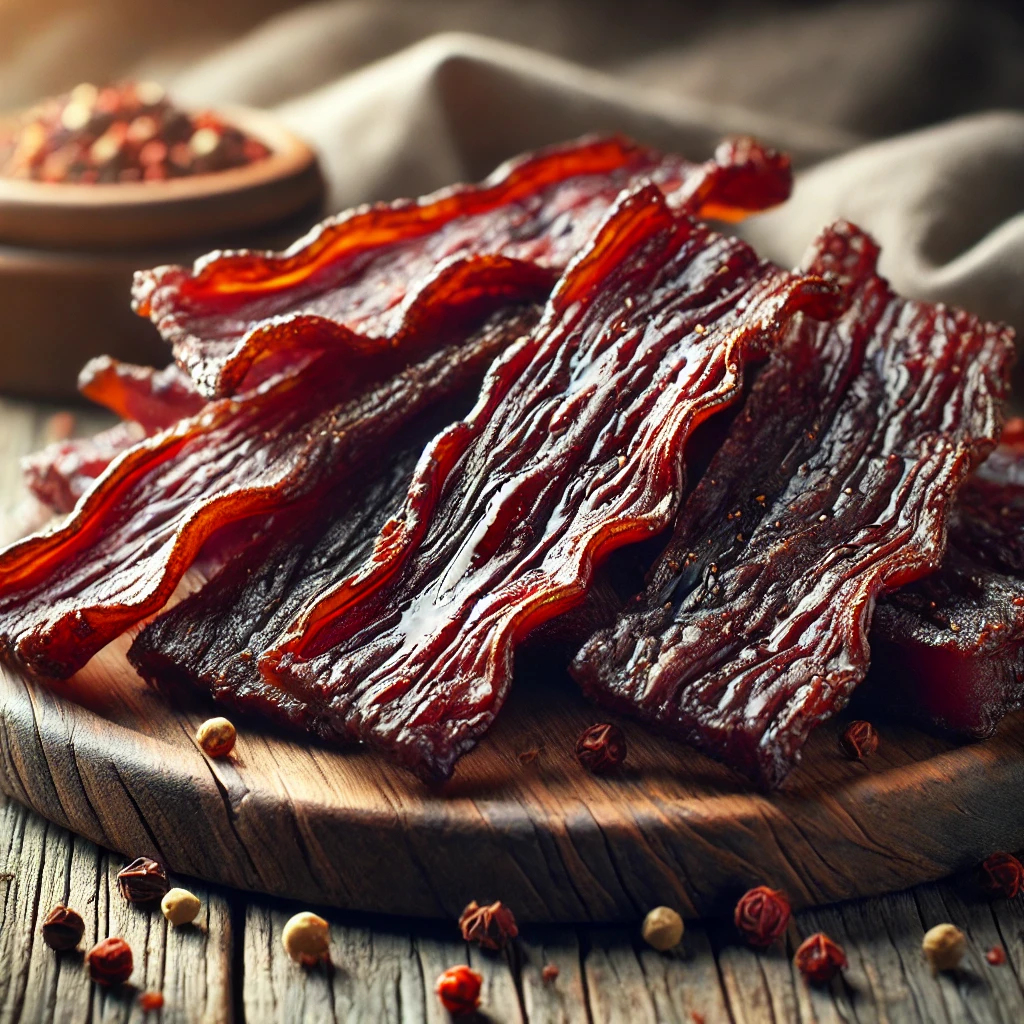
x,y
104,180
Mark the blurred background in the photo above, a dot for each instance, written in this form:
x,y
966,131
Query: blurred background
x,y
829,74
903,116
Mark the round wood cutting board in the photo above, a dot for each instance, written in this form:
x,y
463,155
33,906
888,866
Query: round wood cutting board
x,y
110,759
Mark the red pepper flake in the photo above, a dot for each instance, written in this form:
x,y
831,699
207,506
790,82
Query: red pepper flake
x,y
459,990
550,972
819,959
121,133
601,748
996,956
151,1001
531,755
1001,874
860,740
490,927
761,916
697,1017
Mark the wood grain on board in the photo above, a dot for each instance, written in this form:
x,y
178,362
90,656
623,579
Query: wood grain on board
x,y
233,967
112,760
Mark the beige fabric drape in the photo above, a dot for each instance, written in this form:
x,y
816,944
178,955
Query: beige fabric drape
x,y
900,115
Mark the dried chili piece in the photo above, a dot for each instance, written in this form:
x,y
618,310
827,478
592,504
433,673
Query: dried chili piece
x,y
833,486
65,594
390,273
573,449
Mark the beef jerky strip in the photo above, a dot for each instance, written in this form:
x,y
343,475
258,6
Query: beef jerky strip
x,y
66,593
154,399
148,400
213,638
574,448
237,317
947,652
833,486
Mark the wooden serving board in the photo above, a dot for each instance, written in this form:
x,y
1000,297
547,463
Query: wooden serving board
x,y
112,760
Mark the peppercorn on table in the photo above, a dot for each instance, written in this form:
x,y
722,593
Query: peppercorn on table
x,y
229,961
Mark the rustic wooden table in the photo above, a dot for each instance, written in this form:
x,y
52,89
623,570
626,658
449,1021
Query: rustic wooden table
x,y
231,966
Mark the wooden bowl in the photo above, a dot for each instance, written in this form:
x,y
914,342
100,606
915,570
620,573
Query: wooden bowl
x,y
67,252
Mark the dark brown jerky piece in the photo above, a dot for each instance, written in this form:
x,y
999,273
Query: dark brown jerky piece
x,y
948,651
214,637
574,448
388,274
67,593
833,486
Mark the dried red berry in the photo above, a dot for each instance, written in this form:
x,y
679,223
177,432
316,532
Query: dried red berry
x,y
491,926
62,928
459,990
761,916
1001,874
151,1001
110,962
996,956
860,740
550,972
142,881
601,748
819,959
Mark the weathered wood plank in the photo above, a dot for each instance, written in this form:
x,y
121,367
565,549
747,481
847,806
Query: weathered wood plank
x,y
46,865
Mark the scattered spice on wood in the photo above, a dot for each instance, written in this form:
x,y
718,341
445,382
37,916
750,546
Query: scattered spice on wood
x,y
996,956
1001,874
306,938
944,947
110,962
601,748
490,926
531,755
550,973
217,737
662,928
859,740
819,959
150,1001
142,881
459,990
62,928
761,916
180,906
127,132
697,1017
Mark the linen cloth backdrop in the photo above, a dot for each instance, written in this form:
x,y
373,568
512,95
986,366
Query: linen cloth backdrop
x,y
903,117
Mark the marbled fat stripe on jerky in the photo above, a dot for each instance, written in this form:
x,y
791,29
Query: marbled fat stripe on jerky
x,y
390,273
574,448
834,486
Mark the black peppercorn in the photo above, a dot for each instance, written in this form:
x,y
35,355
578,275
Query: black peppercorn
x,y
62,928
142,881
